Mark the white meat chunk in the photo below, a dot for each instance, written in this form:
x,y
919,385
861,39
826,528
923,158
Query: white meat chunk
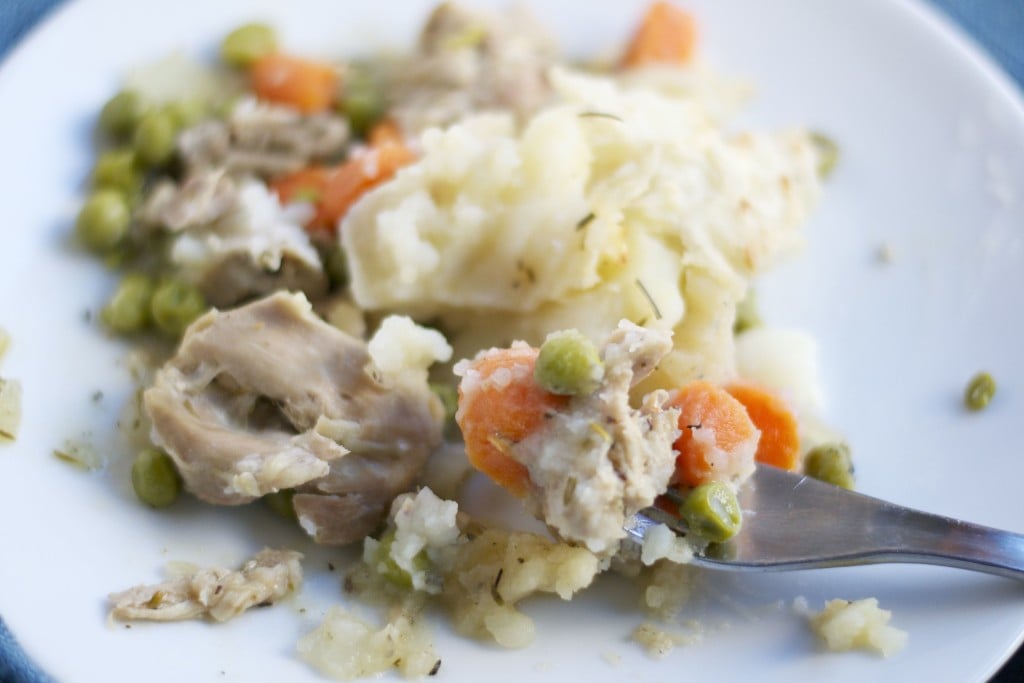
x,y
264,140
269,397
473,60
235,240
598,460
218,593
344,518
199,200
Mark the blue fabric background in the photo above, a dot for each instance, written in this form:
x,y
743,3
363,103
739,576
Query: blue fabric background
x,y
997,25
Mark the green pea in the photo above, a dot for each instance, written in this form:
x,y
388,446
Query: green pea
x,y
712,512
389,569
175,305
247,44
830,463
155,479
186,113
747,316
362,101
121,113
568,364
128,309
155,139
828,153
281,503
116,170
103,220
979,391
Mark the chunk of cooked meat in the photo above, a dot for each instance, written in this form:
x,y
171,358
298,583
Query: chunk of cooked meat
x,y
585,463
268,396
263,140
473,60
235,240
340,519
221,594
199,200
351,500
600,460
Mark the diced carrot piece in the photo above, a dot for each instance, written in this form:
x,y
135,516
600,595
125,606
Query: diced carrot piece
x,y
500,404
718,439
307,86
666,34
361,174
780,433
334,190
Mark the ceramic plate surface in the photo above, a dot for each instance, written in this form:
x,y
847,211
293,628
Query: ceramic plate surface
x,y
932,171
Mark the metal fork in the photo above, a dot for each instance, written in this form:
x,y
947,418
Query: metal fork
x,y
791,521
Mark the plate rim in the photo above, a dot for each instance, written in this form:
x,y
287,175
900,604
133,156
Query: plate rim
x,y
925,14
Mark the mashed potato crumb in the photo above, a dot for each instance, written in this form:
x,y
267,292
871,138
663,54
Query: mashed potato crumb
x,y
401,347
859,624
661,542
659,642
497,569
10,398
10,409
426,526
785,361
346,647
667,588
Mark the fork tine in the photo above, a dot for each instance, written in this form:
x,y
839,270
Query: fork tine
x,y
642,522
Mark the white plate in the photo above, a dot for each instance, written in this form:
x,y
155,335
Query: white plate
x,y
933,167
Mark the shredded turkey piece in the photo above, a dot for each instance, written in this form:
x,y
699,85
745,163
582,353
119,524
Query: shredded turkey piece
x,y
218,593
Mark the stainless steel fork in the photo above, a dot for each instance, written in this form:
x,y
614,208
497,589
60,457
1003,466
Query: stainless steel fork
x,y
791,521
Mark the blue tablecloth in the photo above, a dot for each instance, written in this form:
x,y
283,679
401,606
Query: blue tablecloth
x,y
998,25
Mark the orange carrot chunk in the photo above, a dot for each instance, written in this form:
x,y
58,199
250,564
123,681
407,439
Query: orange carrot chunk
x,y
500,404
307,86
718,438
780,433
666,35
334,190
361,174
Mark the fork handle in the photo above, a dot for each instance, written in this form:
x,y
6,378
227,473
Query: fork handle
x,y
905,535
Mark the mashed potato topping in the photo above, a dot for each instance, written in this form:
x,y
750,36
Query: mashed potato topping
x,y
612,203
